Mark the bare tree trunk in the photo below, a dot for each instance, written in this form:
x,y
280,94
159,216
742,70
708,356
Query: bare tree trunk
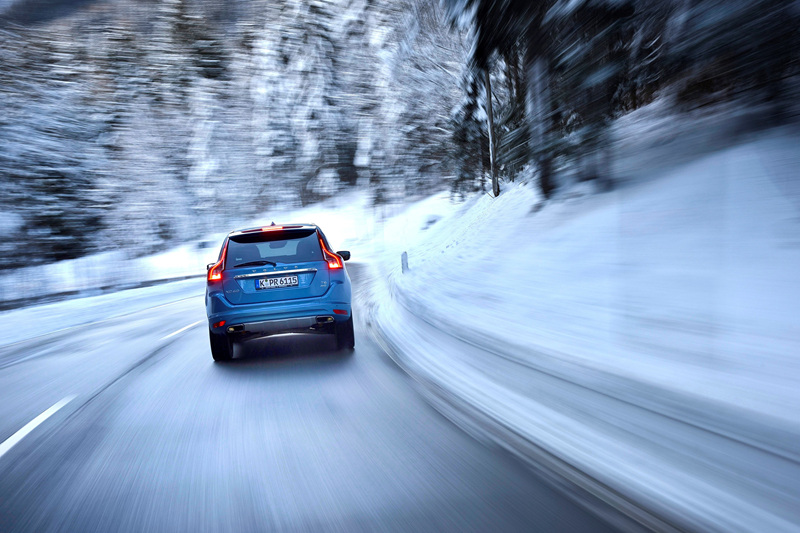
x,y
488,83
538,111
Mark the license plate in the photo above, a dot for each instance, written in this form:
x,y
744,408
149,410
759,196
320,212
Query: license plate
x,y
277,282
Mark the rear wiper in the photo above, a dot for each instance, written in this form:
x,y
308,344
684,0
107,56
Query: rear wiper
x,y
256,264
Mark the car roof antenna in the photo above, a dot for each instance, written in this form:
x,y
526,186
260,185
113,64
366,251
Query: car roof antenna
x,y
273,223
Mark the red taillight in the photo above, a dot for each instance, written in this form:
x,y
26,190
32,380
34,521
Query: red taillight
x,y
340,311
219,324
333,260
215,272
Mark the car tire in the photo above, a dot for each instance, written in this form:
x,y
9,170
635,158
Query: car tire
x,y
221,349
345,338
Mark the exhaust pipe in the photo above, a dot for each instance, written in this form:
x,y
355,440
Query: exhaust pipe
x,y
324,319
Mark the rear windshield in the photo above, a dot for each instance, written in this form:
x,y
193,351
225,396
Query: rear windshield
x,y
293,246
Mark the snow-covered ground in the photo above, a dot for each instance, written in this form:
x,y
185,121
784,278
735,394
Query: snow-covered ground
x,y
648,337
643,342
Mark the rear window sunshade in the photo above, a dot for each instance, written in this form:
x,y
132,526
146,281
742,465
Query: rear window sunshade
x,y
269,236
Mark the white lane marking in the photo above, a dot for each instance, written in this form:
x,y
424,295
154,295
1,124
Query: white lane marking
x,y
30,426
180,330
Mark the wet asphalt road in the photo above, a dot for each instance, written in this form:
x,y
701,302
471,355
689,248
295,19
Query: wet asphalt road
x,y
291,436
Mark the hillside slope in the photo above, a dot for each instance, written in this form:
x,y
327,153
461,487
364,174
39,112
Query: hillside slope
x,y
643,342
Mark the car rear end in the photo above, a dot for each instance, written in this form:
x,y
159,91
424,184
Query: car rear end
x,y
276,279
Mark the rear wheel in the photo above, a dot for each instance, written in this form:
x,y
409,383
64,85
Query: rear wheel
x,y
345,338
220,346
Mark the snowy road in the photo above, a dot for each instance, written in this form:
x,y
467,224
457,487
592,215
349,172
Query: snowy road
x,y
127,424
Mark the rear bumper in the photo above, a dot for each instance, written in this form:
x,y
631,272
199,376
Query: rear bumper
x,y
264,328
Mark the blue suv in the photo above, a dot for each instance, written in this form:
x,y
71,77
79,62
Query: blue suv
x,y
275,280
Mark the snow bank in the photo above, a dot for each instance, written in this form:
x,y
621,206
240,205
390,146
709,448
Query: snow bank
x,y
647,338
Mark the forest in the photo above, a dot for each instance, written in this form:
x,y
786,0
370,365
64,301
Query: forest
x,y
132,125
